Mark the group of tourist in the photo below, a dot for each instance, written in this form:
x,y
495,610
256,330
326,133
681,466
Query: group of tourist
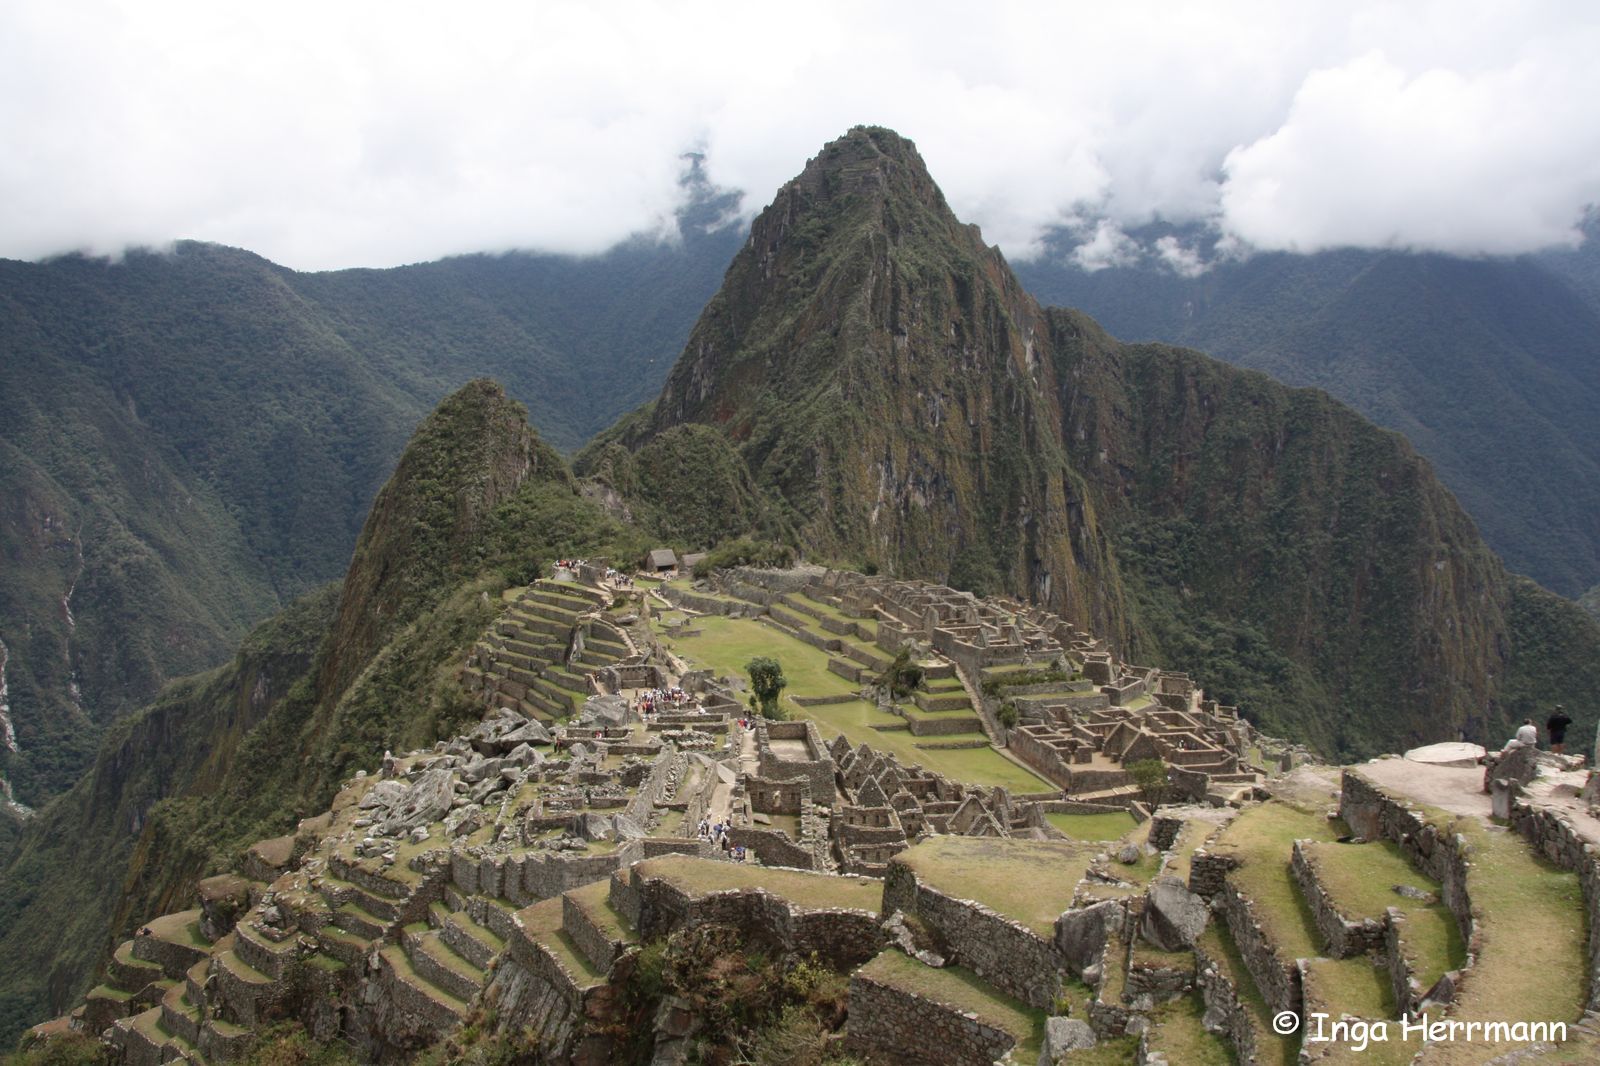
x,y
717,833
618,579
1527,735
657,700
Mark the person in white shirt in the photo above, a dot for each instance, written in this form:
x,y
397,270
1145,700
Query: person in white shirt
x,y
1528,733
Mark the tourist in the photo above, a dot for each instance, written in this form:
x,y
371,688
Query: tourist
x,y
1528,733
1556,726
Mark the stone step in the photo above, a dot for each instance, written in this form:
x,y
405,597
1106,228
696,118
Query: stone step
x,y
354,918
194,981
537,705
129,973
565,679
561,698
104,1005
549,629
598,931
239,992
467,938
437,961
222,1041
439,1008
936,704
338,892
349,948
539,931
141,1038
261,953
173,942
395,884
610,649
494,914
180,1016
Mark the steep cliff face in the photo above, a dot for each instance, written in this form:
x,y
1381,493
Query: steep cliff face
x,y
888,382
882,373
65,884
1321,544
219,761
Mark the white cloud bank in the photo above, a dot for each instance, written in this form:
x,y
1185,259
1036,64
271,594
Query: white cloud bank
x,y
359,133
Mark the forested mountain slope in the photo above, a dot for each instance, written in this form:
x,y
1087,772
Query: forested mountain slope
x,y
1490,367
191,439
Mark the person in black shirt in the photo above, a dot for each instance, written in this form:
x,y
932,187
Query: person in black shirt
x,y
1556,726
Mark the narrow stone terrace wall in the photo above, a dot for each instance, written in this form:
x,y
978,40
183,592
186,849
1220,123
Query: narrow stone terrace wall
x,y
1003,952
1225,1010
1343,936
905,1028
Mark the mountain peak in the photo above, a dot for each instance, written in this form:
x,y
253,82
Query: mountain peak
x,y
872,164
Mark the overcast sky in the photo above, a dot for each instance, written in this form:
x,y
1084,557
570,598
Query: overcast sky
x,y
340,133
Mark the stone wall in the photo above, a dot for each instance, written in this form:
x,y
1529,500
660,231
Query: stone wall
x,y
1439,854
1003,952
818,771
1208,873
902,1027
774,848
1343,936
841,938
1225,1011
1278,979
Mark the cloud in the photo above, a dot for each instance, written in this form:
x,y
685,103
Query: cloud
x,y
363,133
1107,246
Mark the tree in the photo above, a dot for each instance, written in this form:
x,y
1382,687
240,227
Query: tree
x,y
766,682
1151,777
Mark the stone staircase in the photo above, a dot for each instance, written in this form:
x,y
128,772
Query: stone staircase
x,y
538,657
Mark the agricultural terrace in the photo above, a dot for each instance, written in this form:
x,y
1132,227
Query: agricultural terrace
x,y
723,645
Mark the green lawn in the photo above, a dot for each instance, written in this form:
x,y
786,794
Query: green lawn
x,y
1093,826
1030,881
1263,839
1177,1030
1271,1049
1357,988
1361,878
726,644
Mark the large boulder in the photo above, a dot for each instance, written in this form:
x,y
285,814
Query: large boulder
x,y
1173,916
1081,934
428,799
1062,1036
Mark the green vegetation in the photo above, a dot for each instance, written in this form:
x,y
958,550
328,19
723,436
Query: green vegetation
x,y
902,676
996,680
67,1049
1263,839
1481,362
1177,1031
744,551
1271,1048
1031,881
723,645
1094,826
1361,878
766,684
1150,775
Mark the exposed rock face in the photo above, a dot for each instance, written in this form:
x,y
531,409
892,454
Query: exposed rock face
x,y
1173,916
